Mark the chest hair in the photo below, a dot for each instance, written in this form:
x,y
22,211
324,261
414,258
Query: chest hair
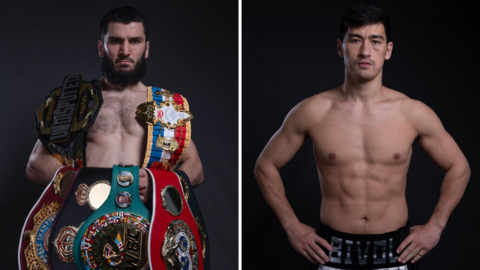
x,y
118,115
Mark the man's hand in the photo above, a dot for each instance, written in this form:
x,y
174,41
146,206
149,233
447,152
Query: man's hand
x,y
145,185
421,240
305,240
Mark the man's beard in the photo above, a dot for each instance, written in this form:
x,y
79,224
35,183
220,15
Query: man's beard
x,y
123,78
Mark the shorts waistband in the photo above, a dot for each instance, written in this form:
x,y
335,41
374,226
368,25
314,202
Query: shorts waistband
x,y
363,251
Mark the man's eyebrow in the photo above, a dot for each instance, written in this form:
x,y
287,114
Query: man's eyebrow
x,y
371,36
377,36
354,35
113,37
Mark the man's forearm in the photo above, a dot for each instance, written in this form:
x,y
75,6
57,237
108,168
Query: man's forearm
x,y
273,190
194,170
41,165
451,192
42,173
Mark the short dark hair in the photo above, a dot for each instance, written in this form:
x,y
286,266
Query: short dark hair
x,y
123,14
361,15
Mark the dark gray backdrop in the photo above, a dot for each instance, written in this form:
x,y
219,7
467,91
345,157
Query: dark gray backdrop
x,y
289,54
194,51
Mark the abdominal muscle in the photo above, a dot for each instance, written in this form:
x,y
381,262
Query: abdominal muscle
x,y
363,198
106,151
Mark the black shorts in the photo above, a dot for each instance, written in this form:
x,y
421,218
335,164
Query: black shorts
x,y
363,251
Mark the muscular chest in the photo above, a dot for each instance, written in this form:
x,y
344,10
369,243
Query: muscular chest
x,y
380,136
117,116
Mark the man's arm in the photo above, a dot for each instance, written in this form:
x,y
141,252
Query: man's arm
x,y
190,164
41,165
443,150
279,150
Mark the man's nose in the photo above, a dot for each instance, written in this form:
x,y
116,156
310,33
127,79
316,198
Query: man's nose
x,y
125,48
365,50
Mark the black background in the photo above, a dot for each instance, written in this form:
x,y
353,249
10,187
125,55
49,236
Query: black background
x,y
193,51
289,54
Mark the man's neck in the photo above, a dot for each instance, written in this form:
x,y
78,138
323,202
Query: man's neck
x,y
362,91
105,85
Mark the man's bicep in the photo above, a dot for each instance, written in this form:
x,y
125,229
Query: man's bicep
x,y
40,152
284,144
436,141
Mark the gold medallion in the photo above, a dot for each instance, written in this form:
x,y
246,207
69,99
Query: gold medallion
x,y
164,92
167,144
167,113
95,195
63,243
61,183
36,253
117,240
179,249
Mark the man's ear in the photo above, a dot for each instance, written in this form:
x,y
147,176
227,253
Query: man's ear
x,y
147,49
340,47
100,49
388,53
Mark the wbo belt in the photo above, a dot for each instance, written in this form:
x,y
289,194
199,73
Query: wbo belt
x,y
352,251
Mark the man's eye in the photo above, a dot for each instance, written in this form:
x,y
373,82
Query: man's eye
x,y
115,41
135,41
376,42
356,40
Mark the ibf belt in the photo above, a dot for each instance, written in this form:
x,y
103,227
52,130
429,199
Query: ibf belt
x,y
63,119
115,235
34,252
169,131
175,242
197,214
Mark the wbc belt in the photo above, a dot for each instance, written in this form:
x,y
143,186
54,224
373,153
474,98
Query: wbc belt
x,y
115,235
169,130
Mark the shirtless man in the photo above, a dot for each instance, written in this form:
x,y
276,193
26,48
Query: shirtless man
x,y
362,134
117,136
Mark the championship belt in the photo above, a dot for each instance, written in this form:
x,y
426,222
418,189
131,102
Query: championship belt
x,y
197,214
175,242
169,130
63,119
115,235
33,251
87,193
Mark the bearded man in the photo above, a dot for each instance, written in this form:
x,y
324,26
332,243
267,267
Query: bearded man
x,y
117,136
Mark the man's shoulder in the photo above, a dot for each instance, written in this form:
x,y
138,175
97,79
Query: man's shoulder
x,y
402,101
321,101
310,109
414,111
